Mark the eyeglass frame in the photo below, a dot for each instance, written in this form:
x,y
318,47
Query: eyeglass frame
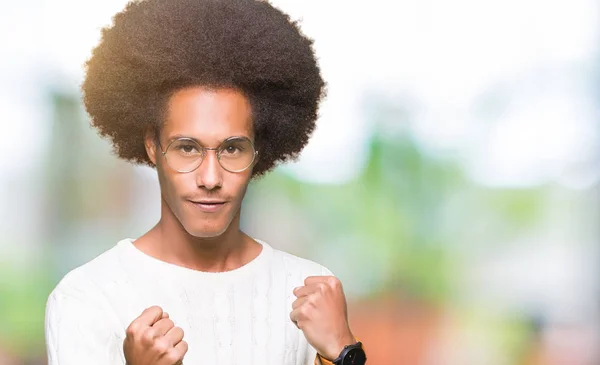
x,y
204,154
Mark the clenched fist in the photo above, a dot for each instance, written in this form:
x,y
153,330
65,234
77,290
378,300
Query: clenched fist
x,y
320,312
153,339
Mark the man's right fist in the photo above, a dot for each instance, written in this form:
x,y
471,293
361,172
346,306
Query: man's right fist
x,y
153,339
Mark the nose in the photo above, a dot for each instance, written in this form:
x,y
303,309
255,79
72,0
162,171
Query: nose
x,y
209,174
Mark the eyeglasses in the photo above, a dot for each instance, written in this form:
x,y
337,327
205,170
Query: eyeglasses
x,y
235,154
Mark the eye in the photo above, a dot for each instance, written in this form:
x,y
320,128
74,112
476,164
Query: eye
x,y
231,149
187,148
236,148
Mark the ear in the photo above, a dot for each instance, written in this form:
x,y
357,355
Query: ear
x,y
150,139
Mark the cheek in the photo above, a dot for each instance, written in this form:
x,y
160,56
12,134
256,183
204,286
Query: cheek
x,y
240,183
170,183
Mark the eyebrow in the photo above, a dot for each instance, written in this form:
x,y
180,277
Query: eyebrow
x,y
177,136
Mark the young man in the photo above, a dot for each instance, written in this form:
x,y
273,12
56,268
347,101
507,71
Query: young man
x,y
212,93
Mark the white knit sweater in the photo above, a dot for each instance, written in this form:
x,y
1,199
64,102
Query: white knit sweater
x,y
234,317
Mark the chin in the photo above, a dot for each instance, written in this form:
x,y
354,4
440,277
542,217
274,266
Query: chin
x,y
206,226
206,231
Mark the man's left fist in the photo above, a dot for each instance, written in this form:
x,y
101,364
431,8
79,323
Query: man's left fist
x,y
320,312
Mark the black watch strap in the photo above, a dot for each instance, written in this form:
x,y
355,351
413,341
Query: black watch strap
x,y
351,355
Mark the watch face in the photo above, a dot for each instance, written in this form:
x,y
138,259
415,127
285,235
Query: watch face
x,y
355,357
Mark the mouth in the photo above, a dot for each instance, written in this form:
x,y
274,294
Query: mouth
x,y
208,206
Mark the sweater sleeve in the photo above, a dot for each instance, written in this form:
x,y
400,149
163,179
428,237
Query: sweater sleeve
x,y
78,331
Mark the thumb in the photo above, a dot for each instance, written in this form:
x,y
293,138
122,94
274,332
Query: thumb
x,y
151,315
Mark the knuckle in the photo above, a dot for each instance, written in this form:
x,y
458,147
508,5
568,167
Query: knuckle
x,y
334,282
169,323
175,334
161,346
184,346
172,357
303,312
148,335
132,330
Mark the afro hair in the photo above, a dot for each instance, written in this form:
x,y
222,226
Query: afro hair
x,y
155,47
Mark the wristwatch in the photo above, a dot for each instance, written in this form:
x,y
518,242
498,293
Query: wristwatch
x,y
352,355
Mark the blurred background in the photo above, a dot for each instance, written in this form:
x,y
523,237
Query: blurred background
x,y
453,183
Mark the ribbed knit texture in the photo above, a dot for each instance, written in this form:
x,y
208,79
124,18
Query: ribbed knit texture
x,y
234,317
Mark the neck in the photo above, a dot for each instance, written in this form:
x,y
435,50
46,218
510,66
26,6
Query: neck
x,y
170,242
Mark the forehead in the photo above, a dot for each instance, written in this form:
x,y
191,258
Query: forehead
x,y
208,115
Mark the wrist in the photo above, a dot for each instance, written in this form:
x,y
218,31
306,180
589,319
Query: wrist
x,y
334,351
